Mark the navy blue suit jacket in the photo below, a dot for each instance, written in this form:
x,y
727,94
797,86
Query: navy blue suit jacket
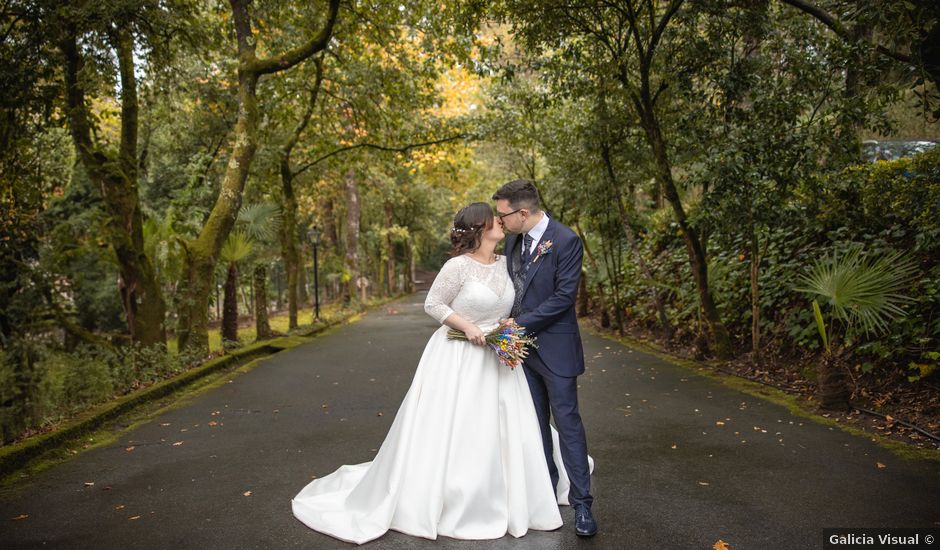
x,y
548,297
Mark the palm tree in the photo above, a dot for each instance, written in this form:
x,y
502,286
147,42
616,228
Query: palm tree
x,y
261,221
862,293
237,247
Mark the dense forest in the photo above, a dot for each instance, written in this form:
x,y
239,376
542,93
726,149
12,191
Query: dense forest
x,y
169,167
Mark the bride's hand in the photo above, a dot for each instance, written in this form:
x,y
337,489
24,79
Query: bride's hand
x,y
475,335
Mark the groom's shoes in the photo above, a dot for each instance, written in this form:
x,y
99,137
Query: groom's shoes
x,y
584,524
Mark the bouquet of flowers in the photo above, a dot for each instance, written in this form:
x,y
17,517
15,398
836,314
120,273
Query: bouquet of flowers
x,y
509,341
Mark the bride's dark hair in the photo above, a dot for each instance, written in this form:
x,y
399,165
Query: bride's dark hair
x,y
469,224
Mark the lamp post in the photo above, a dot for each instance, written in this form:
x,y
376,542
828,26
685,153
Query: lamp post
x,y
314,235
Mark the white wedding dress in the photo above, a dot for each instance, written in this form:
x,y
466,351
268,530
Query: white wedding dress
x,y
464,457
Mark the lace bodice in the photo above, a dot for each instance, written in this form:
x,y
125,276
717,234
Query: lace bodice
x,y
480,293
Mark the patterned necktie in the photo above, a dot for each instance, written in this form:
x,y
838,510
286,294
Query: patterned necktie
x,y
519,275
526,247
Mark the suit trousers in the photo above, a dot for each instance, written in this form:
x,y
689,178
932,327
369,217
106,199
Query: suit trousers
x,y
556,397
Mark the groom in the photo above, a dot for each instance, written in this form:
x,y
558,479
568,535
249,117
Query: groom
x,y
544,261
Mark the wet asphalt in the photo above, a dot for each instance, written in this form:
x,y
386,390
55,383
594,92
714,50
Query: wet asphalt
x,y
681,461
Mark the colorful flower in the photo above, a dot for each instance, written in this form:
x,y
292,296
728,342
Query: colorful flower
x,y
542,249
509,341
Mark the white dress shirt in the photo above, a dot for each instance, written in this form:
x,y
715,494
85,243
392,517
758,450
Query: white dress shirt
x,y
537,232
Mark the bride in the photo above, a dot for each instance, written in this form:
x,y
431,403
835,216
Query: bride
x,y
464,456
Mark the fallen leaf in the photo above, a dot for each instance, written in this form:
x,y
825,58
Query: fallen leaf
x,y
178,443
702,483
129,449
674,446
134,517
719,423
213,423
247,493
881,466
21,516
89,484
165,424
720,545
119,507
380,414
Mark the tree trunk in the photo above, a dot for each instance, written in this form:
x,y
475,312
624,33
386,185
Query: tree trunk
x,y
595,268
628,231
833,389
205,249
755,298
352,236
141,294
289,232
649,121
230,307
288,236
583,297
262,327
303,297
390,253
330,228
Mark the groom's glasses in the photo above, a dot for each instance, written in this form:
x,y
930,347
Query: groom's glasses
x,y
501,216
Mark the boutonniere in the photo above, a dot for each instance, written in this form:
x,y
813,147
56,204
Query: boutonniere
x,y
542,249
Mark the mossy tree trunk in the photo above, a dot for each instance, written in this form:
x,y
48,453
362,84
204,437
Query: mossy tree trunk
x,y
203,252
229,327
116,178
262,326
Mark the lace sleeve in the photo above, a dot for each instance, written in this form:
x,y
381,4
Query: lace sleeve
x,y
443,291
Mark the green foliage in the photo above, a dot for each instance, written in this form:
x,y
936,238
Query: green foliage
x,y
237,247
863,291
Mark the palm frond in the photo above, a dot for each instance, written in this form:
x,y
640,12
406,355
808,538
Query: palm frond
x,y
237,247
865,291
260,220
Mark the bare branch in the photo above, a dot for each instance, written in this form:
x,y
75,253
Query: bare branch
x,y
376,146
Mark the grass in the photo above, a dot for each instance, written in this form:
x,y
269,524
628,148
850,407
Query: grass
x,y
54,450
279,323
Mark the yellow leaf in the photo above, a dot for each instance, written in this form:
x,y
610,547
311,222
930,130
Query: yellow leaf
x,y
720,545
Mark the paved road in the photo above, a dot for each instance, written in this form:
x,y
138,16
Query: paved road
x,y
668,474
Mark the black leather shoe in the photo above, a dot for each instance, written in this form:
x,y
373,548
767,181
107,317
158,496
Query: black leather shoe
x,y
584,524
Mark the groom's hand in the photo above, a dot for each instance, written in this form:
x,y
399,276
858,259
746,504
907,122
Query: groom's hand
x,y
504,322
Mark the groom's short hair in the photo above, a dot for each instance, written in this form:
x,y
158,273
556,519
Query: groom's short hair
x,y
520,194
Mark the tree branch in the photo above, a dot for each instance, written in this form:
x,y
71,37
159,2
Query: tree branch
x,y
401,149
292,57
837,27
